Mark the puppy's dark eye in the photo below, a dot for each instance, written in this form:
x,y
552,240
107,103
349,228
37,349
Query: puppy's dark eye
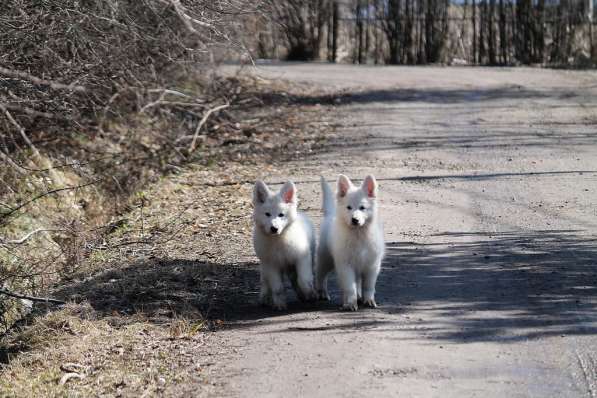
x,y
267,214
362,208
349,207
280,215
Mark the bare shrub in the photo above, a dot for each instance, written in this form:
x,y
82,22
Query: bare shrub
x,y
97,97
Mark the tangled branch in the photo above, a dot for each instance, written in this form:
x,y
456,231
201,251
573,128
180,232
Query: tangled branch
x,y
51,192
31,298
41,82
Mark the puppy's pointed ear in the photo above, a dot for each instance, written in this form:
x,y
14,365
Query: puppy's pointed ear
x,y
344,185
370,186
288,193
260,192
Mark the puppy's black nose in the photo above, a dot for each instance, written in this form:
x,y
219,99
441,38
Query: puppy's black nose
x,y
274,230
355,221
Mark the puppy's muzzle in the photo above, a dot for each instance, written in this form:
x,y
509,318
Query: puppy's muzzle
x,y
273,230
355,221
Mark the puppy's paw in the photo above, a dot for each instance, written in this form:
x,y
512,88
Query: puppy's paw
x,y
307,296
311,296
265,303
265,300
280,306
370,302
350,306
279,300
323,295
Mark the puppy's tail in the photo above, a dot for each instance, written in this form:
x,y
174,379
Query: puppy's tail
x,y
329,204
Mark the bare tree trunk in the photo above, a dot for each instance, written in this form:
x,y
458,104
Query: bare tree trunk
x,y
560,51
503,33
429,30
421,53
359,32
590,16
399,29
318,21
482,25
335,32
491,33
376,35
393,29
367,24
377,43
568,31
463,29
540,32
274,31
474,20
514,27
445,30
329,35
405,31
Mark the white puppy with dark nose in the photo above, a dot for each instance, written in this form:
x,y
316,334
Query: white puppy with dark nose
x,y
284,241
351,241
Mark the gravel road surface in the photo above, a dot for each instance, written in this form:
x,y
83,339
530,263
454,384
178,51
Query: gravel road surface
x,y
488,190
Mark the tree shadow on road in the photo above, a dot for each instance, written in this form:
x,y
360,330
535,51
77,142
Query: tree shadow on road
x,y
425,95
160,290
499,137
495,287
467,287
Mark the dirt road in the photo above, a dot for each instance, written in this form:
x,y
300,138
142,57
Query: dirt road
x,y
488,181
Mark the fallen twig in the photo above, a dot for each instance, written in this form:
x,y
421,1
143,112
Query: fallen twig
x,y
53,191
202,122
3,241
31,298
42,82
68,376
21,130
17,167
187,19
153,103
169,91
31,112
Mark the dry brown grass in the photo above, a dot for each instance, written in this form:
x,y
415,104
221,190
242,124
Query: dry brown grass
x,y
75,222
146,299
73,353
98,98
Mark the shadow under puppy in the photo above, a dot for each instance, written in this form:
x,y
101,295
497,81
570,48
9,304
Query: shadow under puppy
x,y
351,241
284,241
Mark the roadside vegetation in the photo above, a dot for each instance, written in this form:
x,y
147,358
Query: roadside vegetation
x,y
117,131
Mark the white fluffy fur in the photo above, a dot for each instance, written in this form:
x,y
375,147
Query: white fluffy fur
x,y
284,241
351,241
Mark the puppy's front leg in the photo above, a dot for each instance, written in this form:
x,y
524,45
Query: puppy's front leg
x,y
265,295
324,266
347,279
273,278
304,270
369,280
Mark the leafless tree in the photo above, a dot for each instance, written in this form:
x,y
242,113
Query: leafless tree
x,y
302,23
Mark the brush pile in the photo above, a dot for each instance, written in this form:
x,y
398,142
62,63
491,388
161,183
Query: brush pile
x,y
98,98
72,62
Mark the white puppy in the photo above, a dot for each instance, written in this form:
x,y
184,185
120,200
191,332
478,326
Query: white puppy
x,y
284,241
351,241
